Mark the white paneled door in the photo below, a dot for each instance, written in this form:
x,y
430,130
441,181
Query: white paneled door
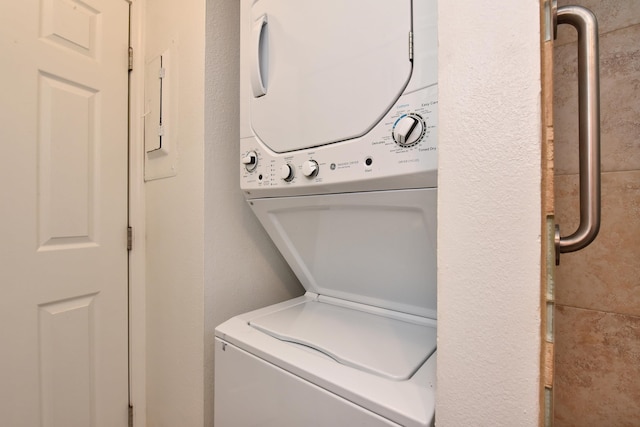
x,y
63,213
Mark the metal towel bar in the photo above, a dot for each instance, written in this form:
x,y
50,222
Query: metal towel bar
x,y
584,21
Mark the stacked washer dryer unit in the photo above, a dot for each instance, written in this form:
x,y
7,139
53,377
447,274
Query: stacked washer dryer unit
x,y
338,162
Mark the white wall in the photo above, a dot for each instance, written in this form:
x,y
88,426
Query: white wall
x,y
243,269
207,256
489,213
175,230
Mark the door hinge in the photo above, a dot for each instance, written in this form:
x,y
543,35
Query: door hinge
x,y
410,45
130,415
129,238
130,58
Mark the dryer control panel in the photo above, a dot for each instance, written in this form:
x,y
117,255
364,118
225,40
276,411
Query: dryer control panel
x,y
399,152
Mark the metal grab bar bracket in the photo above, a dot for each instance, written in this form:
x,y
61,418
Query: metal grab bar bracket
x,y
585,23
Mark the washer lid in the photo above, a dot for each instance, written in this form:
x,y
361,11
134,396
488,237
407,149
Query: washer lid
x,y
376,248
373,343
325,71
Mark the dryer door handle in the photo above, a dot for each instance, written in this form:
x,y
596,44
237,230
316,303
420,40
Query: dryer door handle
x,y
259,57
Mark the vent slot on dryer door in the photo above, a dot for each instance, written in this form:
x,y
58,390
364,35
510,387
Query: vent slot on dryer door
x,y
329,69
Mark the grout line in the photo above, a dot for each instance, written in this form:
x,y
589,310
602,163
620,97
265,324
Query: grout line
x,y
601,35
602,172
637,316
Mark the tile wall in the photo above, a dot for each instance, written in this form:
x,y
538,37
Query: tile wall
x,y
597,324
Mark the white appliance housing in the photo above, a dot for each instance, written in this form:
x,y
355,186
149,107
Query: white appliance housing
x,y
339,163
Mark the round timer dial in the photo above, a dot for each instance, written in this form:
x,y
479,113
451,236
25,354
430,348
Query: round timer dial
x,y
408,130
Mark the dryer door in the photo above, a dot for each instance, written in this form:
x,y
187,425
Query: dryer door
x,y
324,71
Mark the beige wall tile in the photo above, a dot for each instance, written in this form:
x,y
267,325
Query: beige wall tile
x,y
619,110
605,275
611,15
597,369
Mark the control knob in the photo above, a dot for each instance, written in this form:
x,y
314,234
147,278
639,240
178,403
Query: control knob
x,y
286,172
310,168
250,161
408,130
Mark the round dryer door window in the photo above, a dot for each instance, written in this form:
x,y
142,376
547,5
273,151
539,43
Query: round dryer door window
x,y
325,71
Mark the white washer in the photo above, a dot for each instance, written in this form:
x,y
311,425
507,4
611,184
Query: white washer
x,y
339,164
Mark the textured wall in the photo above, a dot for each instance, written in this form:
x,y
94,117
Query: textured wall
x,y
175,223
207,256
598,288
243,269
489,214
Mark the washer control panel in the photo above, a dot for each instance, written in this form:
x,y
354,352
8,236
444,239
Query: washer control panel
x,y
403,144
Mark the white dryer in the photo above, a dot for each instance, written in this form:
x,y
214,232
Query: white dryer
x,y
339,163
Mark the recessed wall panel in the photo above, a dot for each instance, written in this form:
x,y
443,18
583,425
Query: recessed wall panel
x,y
67,373
66,167
71,24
